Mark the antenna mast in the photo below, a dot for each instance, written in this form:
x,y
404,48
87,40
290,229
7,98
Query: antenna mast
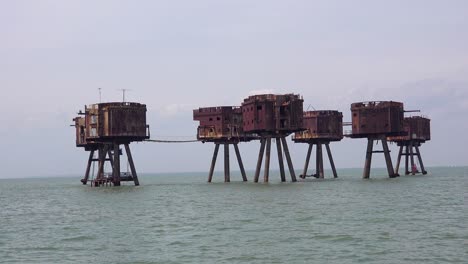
x,y
99,94
123,93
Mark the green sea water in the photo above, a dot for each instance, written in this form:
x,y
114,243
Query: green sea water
x,y
179,218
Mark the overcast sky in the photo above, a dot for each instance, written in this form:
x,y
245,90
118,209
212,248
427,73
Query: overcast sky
x,y
178,55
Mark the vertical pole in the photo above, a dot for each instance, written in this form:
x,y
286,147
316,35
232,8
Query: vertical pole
x,y
101,153
280,159
367,165
388,158
227,176
288,159
406,159
266,172
116,167
260,159
424,172
213,162
306,165
317,161
413,169
88,168
321,175
132,165
397,167
111,158
239,160
330,157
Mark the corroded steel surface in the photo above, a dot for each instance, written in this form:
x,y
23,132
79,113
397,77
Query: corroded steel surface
x,y
220,124
273,114
110,122
417,128
324,125
377,118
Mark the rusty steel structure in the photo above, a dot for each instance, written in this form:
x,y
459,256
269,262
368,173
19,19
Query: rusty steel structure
x,y
273,116
102,128
322,127
376,121
222,125
418,131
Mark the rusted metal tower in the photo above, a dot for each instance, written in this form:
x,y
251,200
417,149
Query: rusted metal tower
x,y
222,125
104,127
273,116
322,127
376,121
418,131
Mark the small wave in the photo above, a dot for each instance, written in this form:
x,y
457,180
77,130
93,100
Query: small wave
x,y
78,238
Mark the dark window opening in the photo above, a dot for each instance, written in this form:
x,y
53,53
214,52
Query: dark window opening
x,y
259,107
283,123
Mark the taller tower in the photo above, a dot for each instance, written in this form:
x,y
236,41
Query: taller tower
x,y
376,121
273,116
104,127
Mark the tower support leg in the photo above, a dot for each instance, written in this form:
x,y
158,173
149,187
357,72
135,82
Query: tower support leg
x,y
111,158
116,165
280,159
227,171
321,172
213,162
330,157
424,172
413,168
317,162
88,168
388,159
132,165
239,160
306,165
397,167
260,159
407,160
367,165
288,159
266,172
102,157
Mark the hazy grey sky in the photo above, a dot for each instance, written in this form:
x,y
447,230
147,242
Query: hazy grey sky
x,y
178,55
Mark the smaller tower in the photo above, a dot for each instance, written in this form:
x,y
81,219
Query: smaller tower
x,y
273,116
418,131
222,125
376,121
322,127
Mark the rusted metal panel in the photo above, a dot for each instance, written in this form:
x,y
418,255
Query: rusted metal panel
x,y
272,114
220,124
323,125
377,118
80,128
116,121
417,128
